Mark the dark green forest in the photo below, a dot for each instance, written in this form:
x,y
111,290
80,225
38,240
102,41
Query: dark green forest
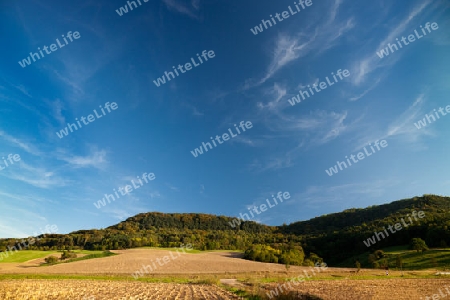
x,y
330,238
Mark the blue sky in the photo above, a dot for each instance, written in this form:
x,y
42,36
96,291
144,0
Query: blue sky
x,y
250,78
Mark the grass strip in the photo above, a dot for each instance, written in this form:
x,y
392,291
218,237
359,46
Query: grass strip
x,y
89,256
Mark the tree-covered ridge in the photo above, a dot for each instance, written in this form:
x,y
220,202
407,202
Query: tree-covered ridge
x,y
154,229
376,214
433,228
190,221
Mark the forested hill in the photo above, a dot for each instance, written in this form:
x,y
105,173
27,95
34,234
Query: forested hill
x,y
434,207
187,221
347,230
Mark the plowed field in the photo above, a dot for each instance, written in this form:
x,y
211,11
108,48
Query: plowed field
x,y
96,290
384,289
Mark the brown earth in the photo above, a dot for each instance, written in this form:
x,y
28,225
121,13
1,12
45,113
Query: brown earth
x,y
130,261
387,289
96,290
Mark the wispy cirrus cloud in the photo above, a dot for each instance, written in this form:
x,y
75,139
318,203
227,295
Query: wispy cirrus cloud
x,y
11,231
355,98
287,49
363,67
401,127
96,159
24,90
26,199
195,111
308,131
314,39
196,4
36,176
273,163
31,149
316,196
190,10
173,188
319,126
277,92
57,108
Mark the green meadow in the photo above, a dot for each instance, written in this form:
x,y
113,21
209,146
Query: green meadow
x,y
26,255
411,259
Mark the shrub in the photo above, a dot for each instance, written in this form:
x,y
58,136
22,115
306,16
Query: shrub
x,y
68,255
51,260
308,262
379,254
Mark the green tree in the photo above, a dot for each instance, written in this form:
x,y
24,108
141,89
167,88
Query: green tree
x,y
418,244
398,261
385,263
379,254
358,266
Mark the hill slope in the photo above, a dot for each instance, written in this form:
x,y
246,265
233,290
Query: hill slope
x,y
434,205
339,236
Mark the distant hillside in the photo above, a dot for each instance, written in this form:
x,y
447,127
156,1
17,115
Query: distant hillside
x,y
189,221
155,229
434,205
334,237
340,235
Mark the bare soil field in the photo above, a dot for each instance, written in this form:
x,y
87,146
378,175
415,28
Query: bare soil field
x,y
129,261
387,289
96,290
398,289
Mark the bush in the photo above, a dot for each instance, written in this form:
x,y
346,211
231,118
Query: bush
x,y
68,255
51,260
315,258
307,262
379,254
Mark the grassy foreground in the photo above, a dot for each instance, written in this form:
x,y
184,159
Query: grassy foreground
x,y
91,255
246,278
